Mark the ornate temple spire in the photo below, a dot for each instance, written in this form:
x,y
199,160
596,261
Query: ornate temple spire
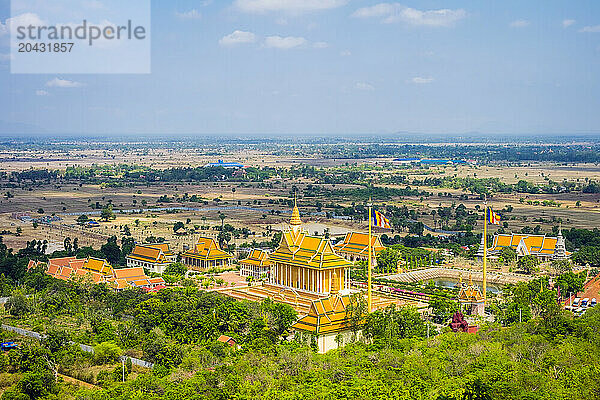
x,y
560,251
295,221
479,253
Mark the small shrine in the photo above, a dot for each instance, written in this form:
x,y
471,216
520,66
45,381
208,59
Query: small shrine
x,y
471,299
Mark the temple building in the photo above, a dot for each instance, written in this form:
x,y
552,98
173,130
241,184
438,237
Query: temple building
x,y
355,247
307,274
97,271
544,247
327,322
133,277
257,265
470,298
153,257
206,254
307,263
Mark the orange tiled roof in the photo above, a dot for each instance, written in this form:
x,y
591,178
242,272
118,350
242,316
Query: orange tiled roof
x,y
550,243
98,265
65,273
150,253
129,274
298,248
534,244
62,261
94,276
164,247
207,249
257,257
121,284
76,264
53,269
358,243
327,315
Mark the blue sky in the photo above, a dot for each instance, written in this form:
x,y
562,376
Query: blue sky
x,y
334,67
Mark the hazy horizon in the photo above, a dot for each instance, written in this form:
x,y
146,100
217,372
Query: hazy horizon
x,y
299,68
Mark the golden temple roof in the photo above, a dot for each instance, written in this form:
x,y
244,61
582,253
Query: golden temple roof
x,y
299,248
470,292
530,244
257,257
358,243
150,253
207,248
327,315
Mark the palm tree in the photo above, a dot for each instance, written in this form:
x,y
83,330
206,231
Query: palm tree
x,y
222,216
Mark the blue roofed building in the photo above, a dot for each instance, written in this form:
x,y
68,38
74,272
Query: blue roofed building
x,y
220,163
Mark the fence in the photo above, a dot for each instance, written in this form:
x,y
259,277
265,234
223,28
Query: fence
x,y
84,347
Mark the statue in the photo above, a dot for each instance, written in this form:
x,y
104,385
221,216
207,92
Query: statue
x,y
459,324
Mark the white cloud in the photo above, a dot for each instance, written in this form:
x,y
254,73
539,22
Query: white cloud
x,y
567,22
590,29
20,20
345,53
520,23
378,10
41,93
396,12
420,80
191,14
237,37
320,45
364,86
287,6
63,83
284,43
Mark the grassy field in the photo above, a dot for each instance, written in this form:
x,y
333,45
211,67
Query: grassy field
x,y
576,209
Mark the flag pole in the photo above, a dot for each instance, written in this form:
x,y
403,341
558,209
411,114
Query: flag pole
x,y
485,217
370,298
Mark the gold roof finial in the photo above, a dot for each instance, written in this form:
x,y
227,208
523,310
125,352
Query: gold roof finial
x,y
295,221
470,279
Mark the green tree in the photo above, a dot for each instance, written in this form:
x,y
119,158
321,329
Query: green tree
x,y
387,260
111,250
570,282
178,225
508,254
442,308
107,353
386,327
107,213
176,268
56,339
17,304
528,263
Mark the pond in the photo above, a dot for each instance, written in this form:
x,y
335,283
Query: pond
x,y
451,283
